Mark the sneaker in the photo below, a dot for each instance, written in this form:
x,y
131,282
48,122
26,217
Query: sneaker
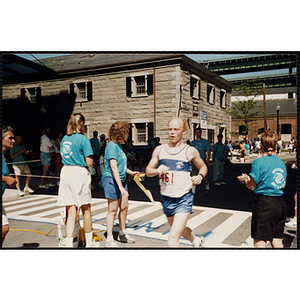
x,y
94,245
292,223
222,182
111,244
28,190
201,242
50,184
57,183
43,187
217,184
126,238
20,193
207,192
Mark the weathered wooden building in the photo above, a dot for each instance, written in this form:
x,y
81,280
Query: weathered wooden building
x,y
144,89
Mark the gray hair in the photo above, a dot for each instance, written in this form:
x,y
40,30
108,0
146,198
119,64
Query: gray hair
x,y
6,128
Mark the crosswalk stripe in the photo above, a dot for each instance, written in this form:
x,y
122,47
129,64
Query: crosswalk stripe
x,y
220,227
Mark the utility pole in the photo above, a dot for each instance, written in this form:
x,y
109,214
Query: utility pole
x,y
265,109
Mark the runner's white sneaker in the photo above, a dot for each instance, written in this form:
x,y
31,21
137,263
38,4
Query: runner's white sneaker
x,y
50,184
198,242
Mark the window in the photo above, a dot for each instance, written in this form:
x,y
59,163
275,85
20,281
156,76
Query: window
x,y
286,129
81,91
139,86
31,94
210,94
195,110
141,132
195,87
242,130
223,98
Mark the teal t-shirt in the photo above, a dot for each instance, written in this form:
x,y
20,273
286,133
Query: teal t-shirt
x,y
114,151
219,150
202,146
74,149
5,172
20,159
269,174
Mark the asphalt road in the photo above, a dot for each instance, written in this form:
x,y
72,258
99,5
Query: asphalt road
x,y
232,196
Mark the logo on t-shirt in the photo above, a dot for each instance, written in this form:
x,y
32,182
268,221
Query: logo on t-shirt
x,y
278,178
66,149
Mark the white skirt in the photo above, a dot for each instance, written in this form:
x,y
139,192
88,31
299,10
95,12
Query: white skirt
x,y
4,217
74,186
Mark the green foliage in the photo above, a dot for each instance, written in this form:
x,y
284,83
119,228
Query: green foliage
x,y
244,111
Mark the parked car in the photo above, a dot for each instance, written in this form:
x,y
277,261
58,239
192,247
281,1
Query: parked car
x,y
236,145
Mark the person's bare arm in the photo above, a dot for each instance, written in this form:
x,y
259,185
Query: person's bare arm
x,y
193,155
89,161
9,180
114,167
248,181
151,169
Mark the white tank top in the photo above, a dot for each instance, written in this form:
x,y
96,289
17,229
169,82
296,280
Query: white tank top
x,y
176,182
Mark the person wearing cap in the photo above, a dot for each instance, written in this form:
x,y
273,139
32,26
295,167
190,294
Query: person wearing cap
x,y
267,179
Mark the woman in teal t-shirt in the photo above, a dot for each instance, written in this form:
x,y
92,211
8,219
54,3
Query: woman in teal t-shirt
x,y
114,182
267,179
75,185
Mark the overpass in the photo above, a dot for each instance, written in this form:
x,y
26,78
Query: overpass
x,y
277,83
253,63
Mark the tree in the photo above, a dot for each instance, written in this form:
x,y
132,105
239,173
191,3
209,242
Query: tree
x,y
245,111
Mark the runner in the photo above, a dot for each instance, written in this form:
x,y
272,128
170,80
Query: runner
x,y
174,160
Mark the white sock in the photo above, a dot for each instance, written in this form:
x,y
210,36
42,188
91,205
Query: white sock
x,y
196,242
122,232
89,238
110,238
69,242
207,186
194,189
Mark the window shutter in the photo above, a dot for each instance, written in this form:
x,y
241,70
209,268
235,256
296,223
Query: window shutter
x,y
89,91
149,84
130,133
192,86
199,90
72,94
128,86
150,131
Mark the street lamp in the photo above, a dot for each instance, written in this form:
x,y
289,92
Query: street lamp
x,y
278,109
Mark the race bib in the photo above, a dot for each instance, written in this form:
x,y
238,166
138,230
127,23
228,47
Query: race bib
x,y
167,178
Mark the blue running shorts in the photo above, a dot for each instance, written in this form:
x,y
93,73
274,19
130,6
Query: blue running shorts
x,y
172,206
46,159
111,189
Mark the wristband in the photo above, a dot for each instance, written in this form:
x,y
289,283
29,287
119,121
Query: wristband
x,y
201,175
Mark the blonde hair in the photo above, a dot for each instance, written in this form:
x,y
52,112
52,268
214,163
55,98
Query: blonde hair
x,y
185,126
119,132
269,141
75,124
